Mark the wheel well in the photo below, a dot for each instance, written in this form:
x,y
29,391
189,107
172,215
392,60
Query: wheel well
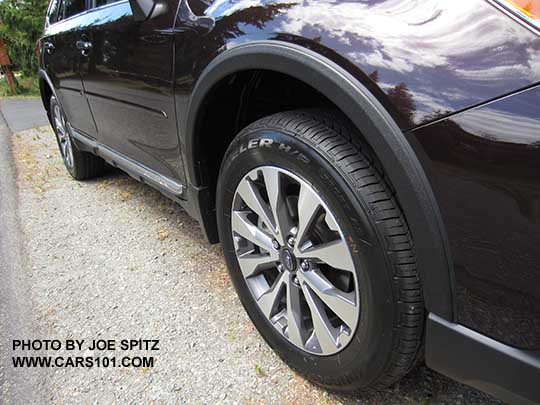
x,y
234,103
351,97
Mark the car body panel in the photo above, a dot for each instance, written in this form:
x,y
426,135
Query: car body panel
x,y
423,59
420,68
131,97
456,81
434,72
63,67
128,83
484,167
372,120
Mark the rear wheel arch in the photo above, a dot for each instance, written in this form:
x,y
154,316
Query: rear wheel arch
x,y
377,127
46,90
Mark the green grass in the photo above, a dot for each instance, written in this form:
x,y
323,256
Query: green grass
x,y
259,371
28,87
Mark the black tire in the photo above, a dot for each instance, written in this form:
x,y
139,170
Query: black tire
x,y
80,165
324,149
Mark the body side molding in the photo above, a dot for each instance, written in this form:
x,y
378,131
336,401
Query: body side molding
x,y
166,185
379,130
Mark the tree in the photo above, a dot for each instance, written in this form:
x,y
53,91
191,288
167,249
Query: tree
x,y
402,98
21,24
5,62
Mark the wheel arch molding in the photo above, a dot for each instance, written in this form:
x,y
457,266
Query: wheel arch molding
x,y
45,85
378,129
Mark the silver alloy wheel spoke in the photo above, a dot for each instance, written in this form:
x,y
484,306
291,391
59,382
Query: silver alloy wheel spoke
x,y
252,197
341,303
278,205
251,262
69,154
322,329
295,330
66,149
60,129
278,221
243,227
268,301
308,205
335,254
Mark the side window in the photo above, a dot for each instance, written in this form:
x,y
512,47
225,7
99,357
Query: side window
x,y
99,3
73,7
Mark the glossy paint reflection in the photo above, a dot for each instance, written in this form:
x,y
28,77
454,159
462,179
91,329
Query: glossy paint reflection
x,y
426,57
423,60
128,83
484,166
127,77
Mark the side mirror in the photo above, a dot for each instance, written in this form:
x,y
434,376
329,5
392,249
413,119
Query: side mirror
x,y
146,9
186,18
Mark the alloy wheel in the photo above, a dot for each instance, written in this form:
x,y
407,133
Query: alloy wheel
x,y
62,134
295,260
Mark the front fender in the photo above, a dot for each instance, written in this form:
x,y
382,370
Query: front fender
x,y
377,127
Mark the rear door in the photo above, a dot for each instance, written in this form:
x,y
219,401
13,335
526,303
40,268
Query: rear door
x,y
62,60
128,81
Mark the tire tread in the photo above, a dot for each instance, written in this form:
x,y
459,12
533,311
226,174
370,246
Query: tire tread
x,y
339,142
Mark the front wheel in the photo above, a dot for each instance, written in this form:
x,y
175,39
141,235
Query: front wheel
x,y
319,251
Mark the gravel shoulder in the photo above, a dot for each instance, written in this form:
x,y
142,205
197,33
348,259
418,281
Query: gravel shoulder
x,y
112,258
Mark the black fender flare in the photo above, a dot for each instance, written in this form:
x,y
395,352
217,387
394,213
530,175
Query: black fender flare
x,y
46,80
379,130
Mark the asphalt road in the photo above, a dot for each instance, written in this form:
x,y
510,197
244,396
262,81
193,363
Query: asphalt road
x,y
23,113
16,317
112,258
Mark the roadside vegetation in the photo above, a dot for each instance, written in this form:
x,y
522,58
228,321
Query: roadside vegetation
x,y
21,24
26,86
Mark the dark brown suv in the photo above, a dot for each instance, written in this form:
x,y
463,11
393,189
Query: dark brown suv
x,y
371,168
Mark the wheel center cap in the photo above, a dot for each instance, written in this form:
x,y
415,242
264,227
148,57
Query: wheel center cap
x,y
288,260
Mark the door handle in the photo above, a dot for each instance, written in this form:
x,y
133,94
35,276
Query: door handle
x,y
85,47
49,47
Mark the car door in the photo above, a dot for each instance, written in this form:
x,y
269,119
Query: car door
x,y
62,61
128,81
